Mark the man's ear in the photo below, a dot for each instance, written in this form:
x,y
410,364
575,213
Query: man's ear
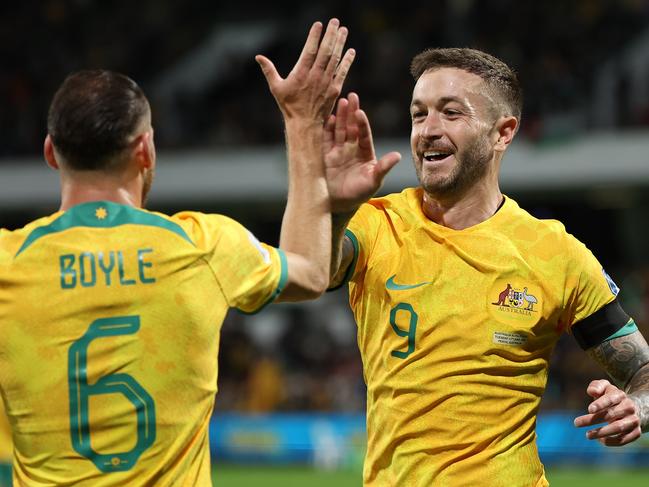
x,y
506,128
144,150
50,154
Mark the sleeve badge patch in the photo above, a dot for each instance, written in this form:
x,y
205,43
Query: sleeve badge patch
x,y
611,285
259,247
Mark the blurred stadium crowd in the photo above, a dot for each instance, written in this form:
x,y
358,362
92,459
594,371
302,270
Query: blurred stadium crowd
x,y
557,48
304,358
291,359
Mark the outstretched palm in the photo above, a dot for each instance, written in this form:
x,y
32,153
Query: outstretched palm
x,y
311,88
352,170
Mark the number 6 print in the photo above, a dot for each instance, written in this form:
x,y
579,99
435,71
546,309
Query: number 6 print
x,y
124,384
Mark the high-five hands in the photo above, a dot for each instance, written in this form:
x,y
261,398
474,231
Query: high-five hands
x,y
308,94
311,88
613,406
352,170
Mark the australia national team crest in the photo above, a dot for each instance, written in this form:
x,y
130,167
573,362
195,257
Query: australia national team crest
x,y
516,298
514,301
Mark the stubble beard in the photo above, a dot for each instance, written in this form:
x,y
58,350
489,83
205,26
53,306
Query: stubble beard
x,y
472,164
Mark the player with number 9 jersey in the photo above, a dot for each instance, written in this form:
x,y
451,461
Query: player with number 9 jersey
x,y
455,329
86,294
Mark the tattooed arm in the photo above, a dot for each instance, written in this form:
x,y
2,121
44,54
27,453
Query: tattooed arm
x,y
624,406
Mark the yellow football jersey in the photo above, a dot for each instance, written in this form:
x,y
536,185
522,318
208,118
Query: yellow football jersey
x,y
455,330
109,333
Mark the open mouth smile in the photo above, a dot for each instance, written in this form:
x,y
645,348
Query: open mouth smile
x,y
436,156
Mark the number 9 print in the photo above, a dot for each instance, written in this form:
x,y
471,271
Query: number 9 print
x,y
410,333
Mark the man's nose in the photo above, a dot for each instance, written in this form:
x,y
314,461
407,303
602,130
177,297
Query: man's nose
x,y
432,126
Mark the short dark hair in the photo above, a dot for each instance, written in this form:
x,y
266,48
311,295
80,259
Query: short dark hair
x,y
494,72
92,116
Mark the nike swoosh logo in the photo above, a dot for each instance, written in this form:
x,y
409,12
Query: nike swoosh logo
x,y
393,286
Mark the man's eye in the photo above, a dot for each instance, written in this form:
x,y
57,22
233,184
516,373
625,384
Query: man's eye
x,y
451,112
418,114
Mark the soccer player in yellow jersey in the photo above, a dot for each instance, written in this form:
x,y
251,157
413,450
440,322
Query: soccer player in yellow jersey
x,y
110,314
460,295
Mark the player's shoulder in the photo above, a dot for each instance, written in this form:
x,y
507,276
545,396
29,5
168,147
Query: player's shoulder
x,y
405,205
100,215
519,214
396,201
198,217
199,221
32,225
12,240
549,230
206,229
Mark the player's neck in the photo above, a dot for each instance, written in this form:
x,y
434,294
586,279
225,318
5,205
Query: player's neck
x,y
94,187
463,211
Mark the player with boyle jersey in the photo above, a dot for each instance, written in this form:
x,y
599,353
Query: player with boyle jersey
x,y
460,295
110,314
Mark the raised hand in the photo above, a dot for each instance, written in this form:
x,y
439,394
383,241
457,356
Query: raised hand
x,y
613,406
353,173
311,88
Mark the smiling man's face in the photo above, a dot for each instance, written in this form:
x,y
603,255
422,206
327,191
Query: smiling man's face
x,y
452,123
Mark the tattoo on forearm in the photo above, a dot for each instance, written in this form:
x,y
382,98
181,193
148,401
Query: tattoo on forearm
x,y
622,357
626,360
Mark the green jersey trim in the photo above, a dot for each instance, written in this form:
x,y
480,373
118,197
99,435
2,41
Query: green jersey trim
x,y
283,278
627,329
102,214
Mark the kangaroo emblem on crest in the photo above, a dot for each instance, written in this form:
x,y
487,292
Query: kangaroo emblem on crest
x,y
516,299
503,296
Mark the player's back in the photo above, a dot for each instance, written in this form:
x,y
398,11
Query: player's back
x,y
110,320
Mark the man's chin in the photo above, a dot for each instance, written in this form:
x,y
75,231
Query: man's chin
x,y
435,182
441,187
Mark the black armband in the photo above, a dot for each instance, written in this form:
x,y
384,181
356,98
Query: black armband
x,y
596,328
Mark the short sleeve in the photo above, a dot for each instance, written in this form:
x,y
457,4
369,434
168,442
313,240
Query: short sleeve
x,y
250,273
589,286
362,231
